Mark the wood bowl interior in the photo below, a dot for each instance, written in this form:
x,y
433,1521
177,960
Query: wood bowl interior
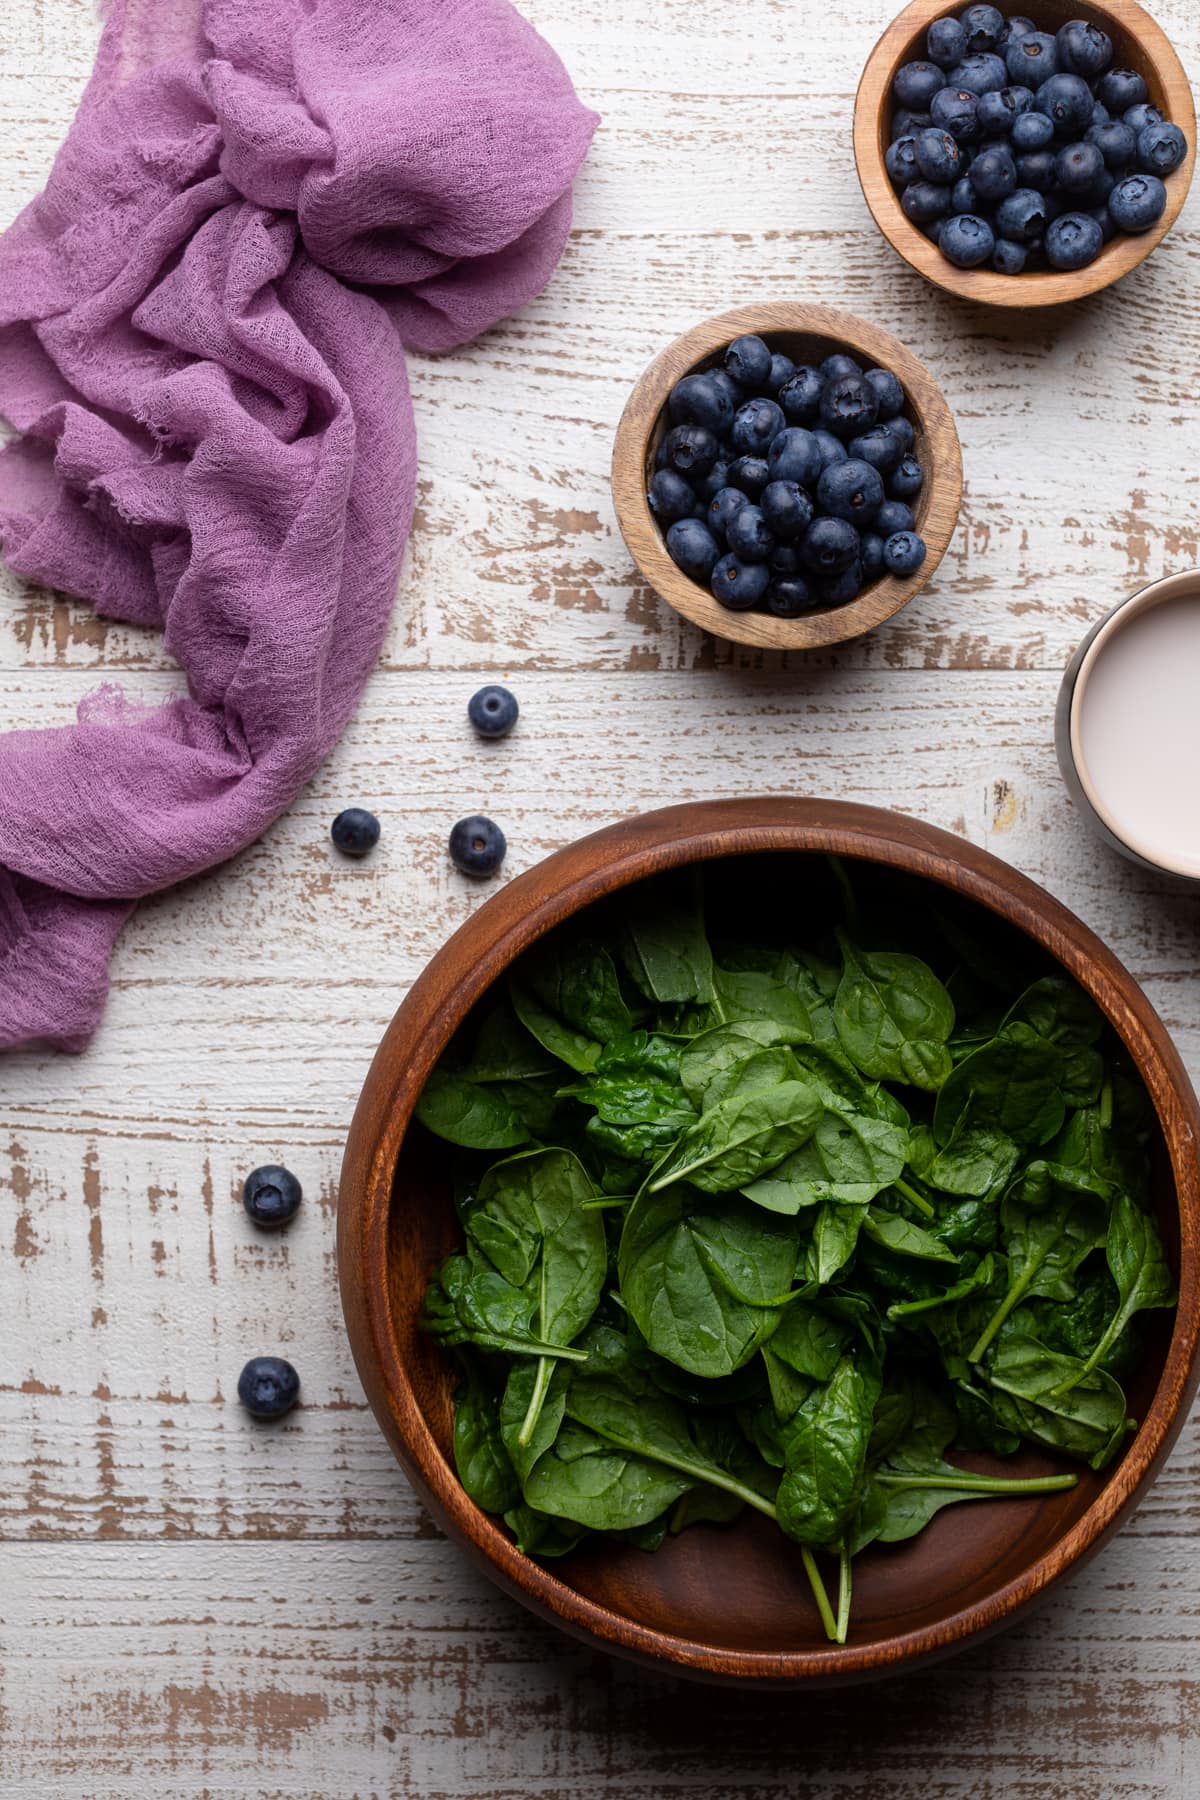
x,y
806,334
732,1603
1138,43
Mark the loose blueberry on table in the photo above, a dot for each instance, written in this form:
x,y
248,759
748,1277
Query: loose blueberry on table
x,y
1022,150
271,1196
477,844
355,831
799,480
268,1387
492,710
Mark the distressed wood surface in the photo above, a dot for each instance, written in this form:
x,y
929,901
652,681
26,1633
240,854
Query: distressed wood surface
x,y
190,1605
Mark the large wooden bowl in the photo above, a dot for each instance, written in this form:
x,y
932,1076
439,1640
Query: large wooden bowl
x,y
806,334
1138,43
731,1604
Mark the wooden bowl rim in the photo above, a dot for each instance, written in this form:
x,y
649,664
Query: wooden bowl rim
x,y
985,286
941,496
542,898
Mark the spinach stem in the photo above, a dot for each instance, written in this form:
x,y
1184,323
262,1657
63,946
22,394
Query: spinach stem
x,y
541,1382
1106,1104
983,1484
516,1347
844,1581
911,1195
819,1594
601,1205
1015,1293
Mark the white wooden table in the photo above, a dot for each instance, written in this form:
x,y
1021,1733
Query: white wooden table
x,y
192,1606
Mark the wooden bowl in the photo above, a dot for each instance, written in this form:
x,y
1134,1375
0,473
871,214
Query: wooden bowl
x,y
730,1604
1138,43
806,334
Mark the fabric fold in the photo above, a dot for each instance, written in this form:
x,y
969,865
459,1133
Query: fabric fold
x,y
201,330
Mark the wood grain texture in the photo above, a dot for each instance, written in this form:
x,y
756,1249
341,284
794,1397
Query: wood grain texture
x,y
807,334
177,1587
1138,43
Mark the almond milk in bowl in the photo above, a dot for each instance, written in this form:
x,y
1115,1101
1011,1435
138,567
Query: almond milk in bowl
x,y
1128,726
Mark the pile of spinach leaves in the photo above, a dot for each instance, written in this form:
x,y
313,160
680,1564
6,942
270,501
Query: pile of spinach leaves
x,y
751,1224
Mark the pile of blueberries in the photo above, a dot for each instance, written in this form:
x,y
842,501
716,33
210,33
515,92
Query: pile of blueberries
x,y
785,487
1025,150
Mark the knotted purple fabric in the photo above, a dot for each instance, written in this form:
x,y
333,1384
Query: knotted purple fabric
x,y
201,321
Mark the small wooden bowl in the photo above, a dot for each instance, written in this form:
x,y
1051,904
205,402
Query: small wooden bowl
x,y
1138,43
806,334
730,1604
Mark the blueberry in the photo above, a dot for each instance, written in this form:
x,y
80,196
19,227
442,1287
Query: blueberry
x,y
870,554
748,361
1117,144
1078,168
1031,59
905,123
1100,113
722,507
994,173
1120,89
1035,171
355,831
984,26
893,516
693,547
722,379
831,450
1067,99
1022,216
999,112
1016,27
938,156
830,545
837,590
787,510
782,370
800,397
788,596
1104,220
956,110
711,484
271,1196
699,400
1073,240
268,1387
916,84
670,497
784,560
1137,202
901,429
1160,148
748,534
750,473
839,364
1083,49
794,455
688,450
905,480
754,425
889,395
963,197
1009,258
1138,117
848,405
967,241
850,490
879,447
946,43
1032,131
982,74
740,585
904,552
924,201
477,844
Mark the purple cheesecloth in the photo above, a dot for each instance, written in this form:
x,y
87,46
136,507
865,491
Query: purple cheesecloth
x,y
201,328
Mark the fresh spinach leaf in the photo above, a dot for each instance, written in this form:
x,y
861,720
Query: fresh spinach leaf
x,y
891,1231
469,1114
664,948
707,1062
1138,1265
893,1017
1047,1397
825,1454
480,1459
1014,1084
741,1138
834,1238
849,1158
